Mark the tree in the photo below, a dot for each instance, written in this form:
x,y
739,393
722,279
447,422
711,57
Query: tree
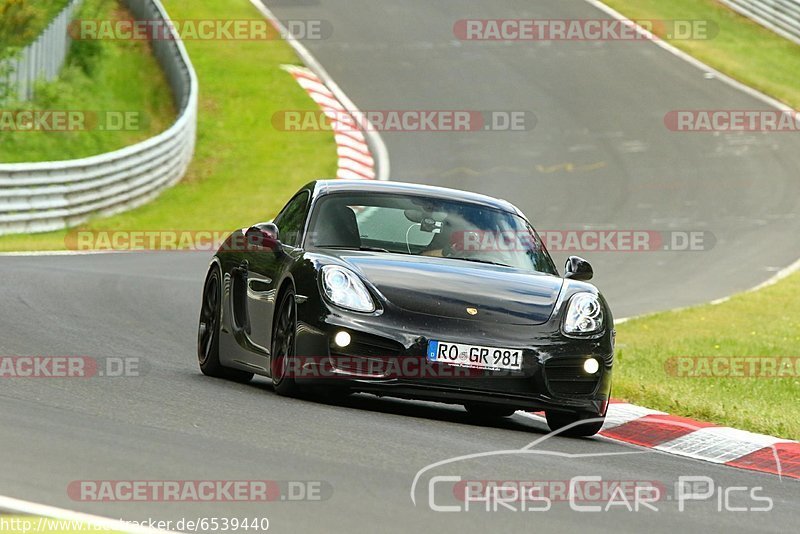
x,y
16,29
16,22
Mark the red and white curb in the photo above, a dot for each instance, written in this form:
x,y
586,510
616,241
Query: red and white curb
x,y
695,439
355,159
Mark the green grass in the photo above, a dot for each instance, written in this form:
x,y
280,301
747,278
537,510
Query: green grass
x,y
742,49
244,169
100,76
764,323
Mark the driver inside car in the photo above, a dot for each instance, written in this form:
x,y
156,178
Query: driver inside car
x,y
457,237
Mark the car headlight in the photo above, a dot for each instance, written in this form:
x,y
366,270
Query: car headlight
x,y
584,314
344,288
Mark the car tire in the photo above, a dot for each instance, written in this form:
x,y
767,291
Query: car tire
x,y
559,420
283,347
208,331
489,411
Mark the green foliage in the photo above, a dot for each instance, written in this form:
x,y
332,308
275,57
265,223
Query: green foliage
x,y
21,21
99,76
17,24
86,54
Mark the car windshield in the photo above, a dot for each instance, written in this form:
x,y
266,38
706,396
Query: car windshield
x,y
424,226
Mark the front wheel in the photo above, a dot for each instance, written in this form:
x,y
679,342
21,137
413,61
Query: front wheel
x,y
208,332
282,357
590,426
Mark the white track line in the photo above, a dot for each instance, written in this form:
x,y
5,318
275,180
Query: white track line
x,y
9,504
775,278
692,60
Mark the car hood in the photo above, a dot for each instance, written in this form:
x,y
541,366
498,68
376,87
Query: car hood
x,y
447,288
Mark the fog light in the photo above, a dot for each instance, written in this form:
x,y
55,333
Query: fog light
x,y
591,366
342,339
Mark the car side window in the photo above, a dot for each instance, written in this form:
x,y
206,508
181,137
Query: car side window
x,y
291,221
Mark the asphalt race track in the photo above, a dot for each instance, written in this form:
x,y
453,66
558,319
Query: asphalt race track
x,y
595,103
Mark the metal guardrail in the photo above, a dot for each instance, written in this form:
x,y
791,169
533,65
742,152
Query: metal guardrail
x,y
42,59
40,197
780,16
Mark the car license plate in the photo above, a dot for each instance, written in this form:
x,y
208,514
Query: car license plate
x,y
474,356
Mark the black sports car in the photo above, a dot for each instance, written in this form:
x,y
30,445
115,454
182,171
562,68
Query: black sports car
x,y
409,291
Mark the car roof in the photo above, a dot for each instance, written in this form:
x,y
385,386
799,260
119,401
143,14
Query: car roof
x,y
324,187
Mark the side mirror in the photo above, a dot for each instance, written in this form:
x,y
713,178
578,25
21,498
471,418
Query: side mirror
x,y
578,269
264,235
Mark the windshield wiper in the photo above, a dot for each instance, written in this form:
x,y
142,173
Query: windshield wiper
x,y
476,260
366,249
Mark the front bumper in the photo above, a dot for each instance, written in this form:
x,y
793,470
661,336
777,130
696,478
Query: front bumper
x,y
387,357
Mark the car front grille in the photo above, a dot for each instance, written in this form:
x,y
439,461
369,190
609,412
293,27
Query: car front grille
x,y
567,377
362,349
